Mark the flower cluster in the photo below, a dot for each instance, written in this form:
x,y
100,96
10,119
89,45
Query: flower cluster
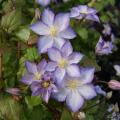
x,y
59,77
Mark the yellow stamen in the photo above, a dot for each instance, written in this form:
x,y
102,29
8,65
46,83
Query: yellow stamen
x,y
72,84
45,84
84,11
37,76
63,63
53,31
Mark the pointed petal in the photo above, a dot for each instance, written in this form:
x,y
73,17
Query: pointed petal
x,y
59,75
51,66
87,75
87,91
31,67
44,2
28,79
40,28
58,42
46,96
67,34
67,49
54,54
62,21
73,71
74,12
42,66
44,43
48,17
75,57
74,101
92,17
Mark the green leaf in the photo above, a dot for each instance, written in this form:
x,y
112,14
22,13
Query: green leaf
x,y
66,115
23,34
83,33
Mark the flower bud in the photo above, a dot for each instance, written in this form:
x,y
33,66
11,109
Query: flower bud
x,y
13,91
114,84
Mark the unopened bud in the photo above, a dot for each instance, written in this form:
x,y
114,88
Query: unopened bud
x,y
114,84
13,91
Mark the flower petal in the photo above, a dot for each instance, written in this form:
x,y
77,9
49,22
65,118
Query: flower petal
x,y
31,67
42,66
74,101
51,66
54,54
73,71
44,2
67,49
87,91
62,21
58,42
28,79
87,75
48,17
92,17
59,75
74,12
40,28
44,43
75,57
67,34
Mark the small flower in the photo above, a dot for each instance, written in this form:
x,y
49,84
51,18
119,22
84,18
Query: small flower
x,y
64,61
107,29
54,30
114,84
13,91
75,90
84,12
34,72
117,68
103,47
44,88
44,2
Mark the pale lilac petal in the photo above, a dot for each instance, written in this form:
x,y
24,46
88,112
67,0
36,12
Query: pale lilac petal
x,y
67,49
35,86
61,94
74,101
44,43
75,57
28,79
73,71
42,66
87,91
40,28
62,21
54,54
59,75
67,34
46,96
87,75
58,42
44,2
92,17
31,67
74,12
51,66
48,17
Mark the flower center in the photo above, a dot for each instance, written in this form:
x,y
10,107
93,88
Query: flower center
x,y
53,31
84,11
72,84
63,63
37,76
45,84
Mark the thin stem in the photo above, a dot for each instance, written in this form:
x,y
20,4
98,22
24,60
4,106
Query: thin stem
x,y
102,82
0,64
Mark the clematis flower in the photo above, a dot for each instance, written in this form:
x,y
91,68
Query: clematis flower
x,y
44,2
54,30
107,29
64,61
44,88
84,12
75,90
34,72
103,47
117,68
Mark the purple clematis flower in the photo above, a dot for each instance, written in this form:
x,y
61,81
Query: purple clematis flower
x,y
35,72
104,47
64,61
53,30
44,2
84,12
44,88
75,90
